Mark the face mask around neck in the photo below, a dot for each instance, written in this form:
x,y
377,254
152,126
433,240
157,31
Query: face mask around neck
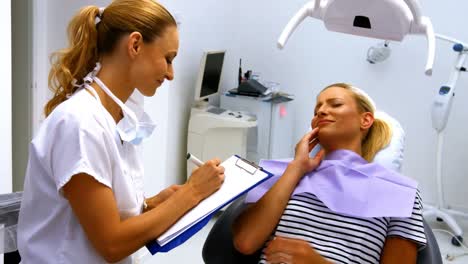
x,y
136,124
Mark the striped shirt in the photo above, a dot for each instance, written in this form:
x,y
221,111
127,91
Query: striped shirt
x,y
345,239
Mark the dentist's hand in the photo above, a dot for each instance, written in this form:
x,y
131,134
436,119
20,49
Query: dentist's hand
x,y
302,161
156,200
207,179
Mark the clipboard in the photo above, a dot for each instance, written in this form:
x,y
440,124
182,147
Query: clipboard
x,y
241,176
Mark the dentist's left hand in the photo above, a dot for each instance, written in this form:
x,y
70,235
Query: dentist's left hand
x,y
156,200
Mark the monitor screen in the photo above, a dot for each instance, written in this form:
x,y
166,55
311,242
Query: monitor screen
x,y
210,74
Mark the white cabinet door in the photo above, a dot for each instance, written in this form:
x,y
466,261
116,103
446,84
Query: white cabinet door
x,y
5,99
6,181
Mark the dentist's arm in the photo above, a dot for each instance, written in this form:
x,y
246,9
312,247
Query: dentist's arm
x,y
254,226
153,202
114,239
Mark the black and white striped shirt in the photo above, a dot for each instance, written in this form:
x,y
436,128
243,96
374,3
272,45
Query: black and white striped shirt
x,y
345,239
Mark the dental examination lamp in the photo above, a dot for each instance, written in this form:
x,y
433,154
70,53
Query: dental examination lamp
x,y
383,19
379,52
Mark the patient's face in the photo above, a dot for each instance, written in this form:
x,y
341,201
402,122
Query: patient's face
x,y
337,116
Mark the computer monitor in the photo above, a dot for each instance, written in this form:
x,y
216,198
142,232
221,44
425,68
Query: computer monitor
x,y
209,75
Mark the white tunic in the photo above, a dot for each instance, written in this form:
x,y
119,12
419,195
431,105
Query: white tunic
x,y
79,136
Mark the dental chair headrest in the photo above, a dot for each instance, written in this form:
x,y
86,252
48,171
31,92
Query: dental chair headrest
x,y
391,156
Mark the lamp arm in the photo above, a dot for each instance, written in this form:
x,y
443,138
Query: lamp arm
x,y
304,12
450,39
415,10
456,71
430,35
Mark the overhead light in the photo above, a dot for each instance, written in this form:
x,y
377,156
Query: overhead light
x,y
384,19
379,52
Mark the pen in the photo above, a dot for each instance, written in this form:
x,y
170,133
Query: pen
x,y
240,72
194,160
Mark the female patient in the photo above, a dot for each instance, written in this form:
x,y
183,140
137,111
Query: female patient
x,y
294,226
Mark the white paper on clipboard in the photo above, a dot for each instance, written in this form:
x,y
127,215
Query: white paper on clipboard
x,y
240,176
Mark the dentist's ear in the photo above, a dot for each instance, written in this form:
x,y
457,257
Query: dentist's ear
x,y
135,41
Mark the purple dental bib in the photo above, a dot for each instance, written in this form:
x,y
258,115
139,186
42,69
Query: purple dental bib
x,y
348,184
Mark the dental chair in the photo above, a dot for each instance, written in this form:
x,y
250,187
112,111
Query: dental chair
x,y
219,247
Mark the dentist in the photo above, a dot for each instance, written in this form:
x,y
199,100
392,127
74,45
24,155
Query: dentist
x,y
83,195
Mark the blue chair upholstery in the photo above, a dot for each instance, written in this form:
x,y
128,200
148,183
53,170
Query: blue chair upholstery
x,y
219,247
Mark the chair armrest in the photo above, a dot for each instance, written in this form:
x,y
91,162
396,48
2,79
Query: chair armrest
x,y
431,253
219,246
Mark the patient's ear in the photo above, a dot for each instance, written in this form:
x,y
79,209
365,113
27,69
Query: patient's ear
x,y
367,119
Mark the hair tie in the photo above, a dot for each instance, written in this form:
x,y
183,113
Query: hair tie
x,y
97,19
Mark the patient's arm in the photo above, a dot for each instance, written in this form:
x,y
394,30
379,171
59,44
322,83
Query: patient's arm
x,y
289,250
398,251
254,226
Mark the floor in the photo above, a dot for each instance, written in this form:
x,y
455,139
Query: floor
x,y
444,241
190,252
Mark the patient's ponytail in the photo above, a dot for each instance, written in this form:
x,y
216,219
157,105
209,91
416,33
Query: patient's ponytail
x,y
378,137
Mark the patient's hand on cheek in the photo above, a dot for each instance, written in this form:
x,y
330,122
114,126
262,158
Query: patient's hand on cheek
x,y
302,160
288,250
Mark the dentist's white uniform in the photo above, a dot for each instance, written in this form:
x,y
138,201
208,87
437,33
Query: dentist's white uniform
x,y
79,136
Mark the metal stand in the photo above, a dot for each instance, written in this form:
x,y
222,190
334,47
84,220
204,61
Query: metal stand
x,y
440,112
438,211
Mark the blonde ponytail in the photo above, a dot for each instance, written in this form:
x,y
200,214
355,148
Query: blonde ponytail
x,y
74,62
89,40
378,137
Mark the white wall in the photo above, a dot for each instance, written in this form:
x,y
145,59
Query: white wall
x,y
206,25
315,58
5,100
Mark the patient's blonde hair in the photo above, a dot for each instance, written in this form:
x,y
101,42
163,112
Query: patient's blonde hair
x,y
88,40
379,134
